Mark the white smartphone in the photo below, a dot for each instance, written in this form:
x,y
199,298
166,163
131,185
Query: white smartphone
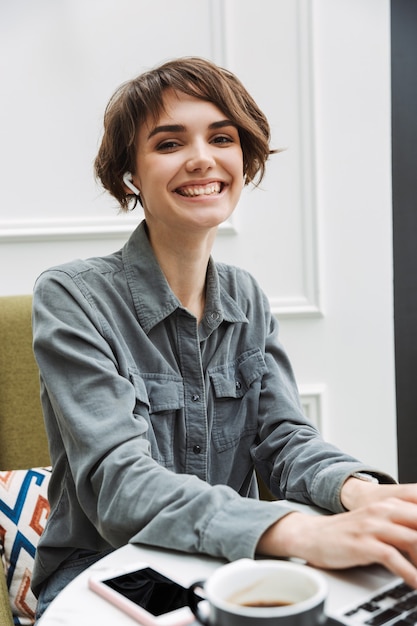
x,y
144,593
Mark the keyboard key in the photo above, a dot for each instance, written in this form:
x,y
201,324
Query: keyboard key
x,y
383,618
400,590
408,604
411,618
368,607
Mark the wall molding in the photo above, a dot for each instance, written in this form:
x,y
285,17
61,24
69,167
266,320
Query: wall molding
x,y
309,304
312,401
219,26
121,225
305,304
291,308
22,231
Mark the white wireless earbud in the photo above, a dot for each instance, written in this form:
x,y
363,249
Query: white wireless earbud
x,y
127,179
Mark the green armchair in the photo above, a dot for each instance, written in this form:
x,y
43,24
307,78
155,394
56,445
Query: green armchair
x,y
23,442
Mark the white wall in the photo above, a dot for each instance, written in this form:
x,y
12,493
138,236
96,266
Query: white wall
x,y
60,62
318,233
351,348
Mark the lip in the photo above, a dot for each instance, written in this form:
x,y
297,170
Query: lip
x,y
208,191
198,184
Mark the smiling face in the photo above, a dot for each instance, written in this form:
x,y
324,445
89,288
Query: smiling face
x,y
189,166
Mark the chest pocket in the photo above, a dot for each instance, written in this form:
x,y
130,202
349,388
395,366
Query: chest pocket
x,y
158,398
237,387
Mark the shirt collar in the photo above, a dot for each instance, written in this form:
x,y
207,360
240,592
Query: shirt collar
x,y
152,296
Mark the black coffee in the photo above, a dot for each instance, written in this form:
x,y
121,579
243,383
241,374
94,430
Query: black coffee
x,y
266,603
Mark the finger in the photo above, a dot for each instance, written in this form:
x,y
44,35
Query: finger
x,y
393,510
406,492
387,539
402,538
398,564
393,523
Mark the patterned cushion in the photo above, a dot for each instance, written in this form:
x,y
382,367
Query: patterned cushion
x,y
24,509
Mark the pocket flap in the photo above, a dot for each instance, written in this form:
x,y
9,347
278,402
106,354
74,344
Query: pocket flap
x,y
234,379
164,394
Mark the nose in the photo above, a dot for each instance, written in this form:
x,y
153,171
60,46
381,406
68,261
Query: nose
x,y
200,157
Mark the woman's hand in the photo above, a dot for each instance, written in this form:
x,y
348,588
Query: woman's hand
x,y
383,531
357,493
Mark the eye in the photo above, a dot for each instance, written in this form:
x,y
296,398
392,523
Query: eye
x,y
223,139
167,146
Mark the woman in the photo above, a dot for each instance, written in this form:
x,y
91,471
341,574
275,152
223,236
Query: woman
x,y
164,384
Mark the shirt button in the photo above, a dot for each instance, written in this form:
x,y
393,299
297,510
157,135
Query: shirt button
x,y
197,449
238,384
195,397
214,315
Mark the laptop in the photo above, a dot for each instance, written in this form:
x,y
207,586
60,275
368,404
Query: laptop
x,y
394,604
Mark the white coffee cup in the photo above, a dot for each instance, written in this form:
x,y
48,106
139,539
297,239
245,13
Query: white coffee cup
x,y
267,592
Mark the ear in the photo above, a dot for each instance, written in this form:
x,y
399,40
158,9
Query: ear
x,y
127,179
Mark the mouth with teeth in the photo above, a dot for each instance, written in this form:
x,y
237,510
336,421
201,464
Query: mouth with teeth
x,y
193,191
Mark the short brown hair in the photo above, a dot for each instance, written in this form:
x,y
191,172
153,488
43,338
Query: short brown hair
x,y
141,97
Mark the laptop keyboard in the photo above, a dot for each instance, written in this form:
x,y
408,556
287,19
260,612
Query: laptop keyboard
x,y
394,605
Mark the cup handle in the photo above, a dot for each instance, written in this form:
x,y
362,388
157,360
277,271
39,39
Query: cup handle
x,y
194,600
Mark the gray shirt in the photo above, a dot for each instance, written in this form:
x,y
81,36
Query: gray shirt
x,y
156,422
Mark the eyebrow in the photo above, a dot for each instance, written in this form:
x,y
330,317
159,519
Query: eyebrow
x,y
180,128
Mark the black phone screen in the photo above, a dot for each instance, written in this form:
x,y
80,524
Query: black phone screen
x,y
151,590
